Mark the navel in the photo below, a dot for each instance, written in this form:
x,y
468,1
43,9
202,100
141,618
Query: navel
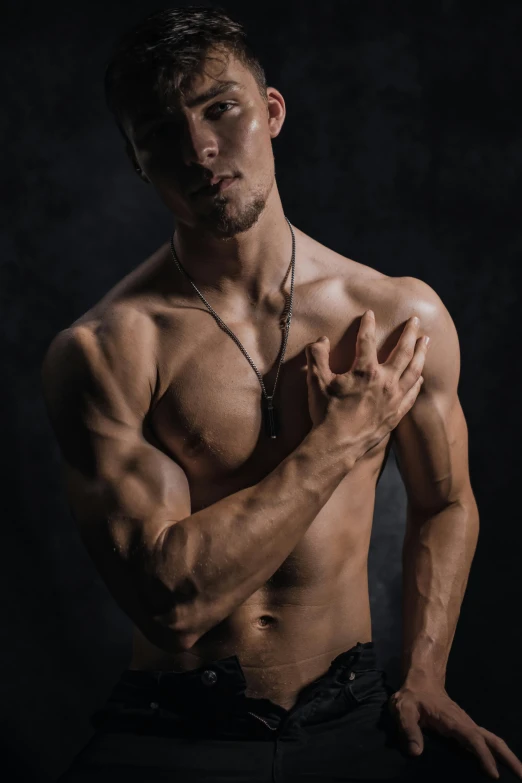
x,y
265,621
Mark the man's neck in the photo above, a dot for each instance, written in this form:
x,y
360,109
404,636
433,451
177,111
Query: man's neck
x,y
251,264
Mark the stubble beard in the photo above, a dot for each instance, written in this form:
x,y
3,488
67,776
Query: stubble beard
x,y
220,221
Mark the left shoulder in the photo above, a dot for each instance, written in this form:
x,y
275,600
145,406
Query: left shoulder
x,y
411,296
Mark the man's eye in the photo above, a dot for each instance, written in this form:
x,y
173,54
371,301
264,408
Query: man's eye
x,y
214,111
218,109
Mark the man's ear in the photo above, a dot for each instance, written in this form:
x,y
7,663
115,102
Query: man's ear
x,y
276,111
129,149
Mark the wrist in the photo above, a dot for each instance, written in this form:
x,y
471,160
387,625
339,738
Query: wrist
x,y
342,450
421,679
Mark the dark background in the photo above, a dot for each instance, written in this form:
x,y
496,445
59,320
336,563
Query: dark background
x,y
401,149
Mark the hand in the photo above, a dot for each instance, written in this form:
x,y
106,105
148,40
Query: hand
x,y
430,707
360,407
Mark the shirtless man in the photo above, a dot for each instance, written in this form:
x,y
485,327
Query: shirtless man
x,y
240,557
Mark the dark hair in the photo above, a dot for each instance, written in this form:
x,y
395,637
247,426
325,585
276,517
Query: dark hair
x,y
164,51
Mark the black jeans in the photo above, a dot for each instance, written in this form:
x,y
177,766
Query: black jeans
x,y
199,726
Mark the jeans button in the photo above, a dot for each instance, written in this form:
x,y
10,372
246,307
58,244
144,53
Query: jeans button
x,y
209,677
352,676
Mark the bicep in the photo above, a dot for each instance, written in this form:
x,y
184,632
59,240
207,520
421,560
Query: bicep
x,y
431,447
431,441
122,491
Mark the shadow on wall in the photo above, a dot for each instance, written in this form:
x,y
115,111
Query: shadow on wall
x,y
385,569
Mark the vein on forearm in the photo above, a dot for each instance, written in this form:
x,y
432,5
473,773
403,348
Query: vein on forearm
x,y
436,559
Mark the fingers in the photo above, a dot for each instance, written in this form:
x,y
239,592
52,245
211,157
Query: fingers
x,y
318,361
408,717
416,365
482,743
475,741
503,751
365,346
408,349
409,398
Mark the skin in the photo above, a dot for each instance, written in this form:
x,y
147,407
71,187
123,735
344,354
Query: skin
x,y
203,411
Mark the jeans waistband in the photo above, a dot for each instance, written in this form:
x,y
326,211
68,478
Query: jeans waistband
x,y
218,688
221,679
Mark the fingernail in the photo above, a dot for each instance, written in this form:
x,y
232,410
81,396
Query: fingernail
x,y
416,321
426,340
370,313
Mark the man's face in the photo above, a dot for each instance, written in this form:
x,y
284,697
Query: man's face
x,y
220,127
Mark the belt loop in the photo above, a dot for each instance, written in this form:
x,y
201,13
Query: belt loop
x,y
356,655
358,651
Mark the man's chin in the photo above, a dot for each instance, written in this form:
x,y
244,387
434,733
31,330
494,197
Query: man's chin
x,y
227,220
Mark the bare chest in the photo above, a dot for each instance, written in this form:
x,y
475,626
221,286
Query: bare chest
x,y
209,415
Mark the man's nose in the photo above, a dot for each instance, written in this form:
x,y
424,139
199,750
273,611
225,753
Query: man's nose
x,y
199,143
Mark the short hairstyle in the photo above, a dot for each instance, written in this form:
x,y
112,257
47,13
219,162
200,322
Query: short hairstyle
x,y
164,51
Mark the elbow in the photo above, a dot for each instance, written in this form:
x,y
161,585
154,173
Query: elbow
x,y
178,624
168,636
173,639
187,641
178,606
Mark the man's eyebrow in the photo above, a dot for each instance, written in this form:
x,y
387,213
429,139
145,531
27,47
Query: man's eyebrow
x,y
212,92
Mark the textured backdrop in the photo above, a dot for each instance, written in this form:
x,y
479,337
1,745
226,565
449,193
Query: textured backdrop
x,y
401,149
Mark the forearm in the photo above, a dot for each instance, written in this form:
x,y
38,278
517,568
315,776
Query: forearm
x,y
227,551
437,556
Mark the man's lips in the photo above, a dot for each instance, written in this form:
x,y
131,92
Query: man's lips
x,y
215,185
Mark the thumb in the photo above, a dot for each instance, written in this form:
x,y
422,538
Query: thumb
x,y
409,722
414,738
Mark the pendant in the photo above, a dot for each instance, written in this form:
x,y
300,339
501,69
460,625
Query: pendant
x,y
271,418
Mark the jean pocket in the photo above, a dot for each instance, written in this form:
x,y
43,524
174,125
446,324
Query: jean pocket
x,y
367,687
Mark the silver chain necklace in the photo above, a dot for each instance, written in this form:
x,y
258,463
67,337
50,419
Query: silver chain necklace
x,y
270,417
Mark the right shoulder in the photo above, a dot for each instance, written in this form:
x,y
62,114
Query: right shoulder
x,y
100,375
123,337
